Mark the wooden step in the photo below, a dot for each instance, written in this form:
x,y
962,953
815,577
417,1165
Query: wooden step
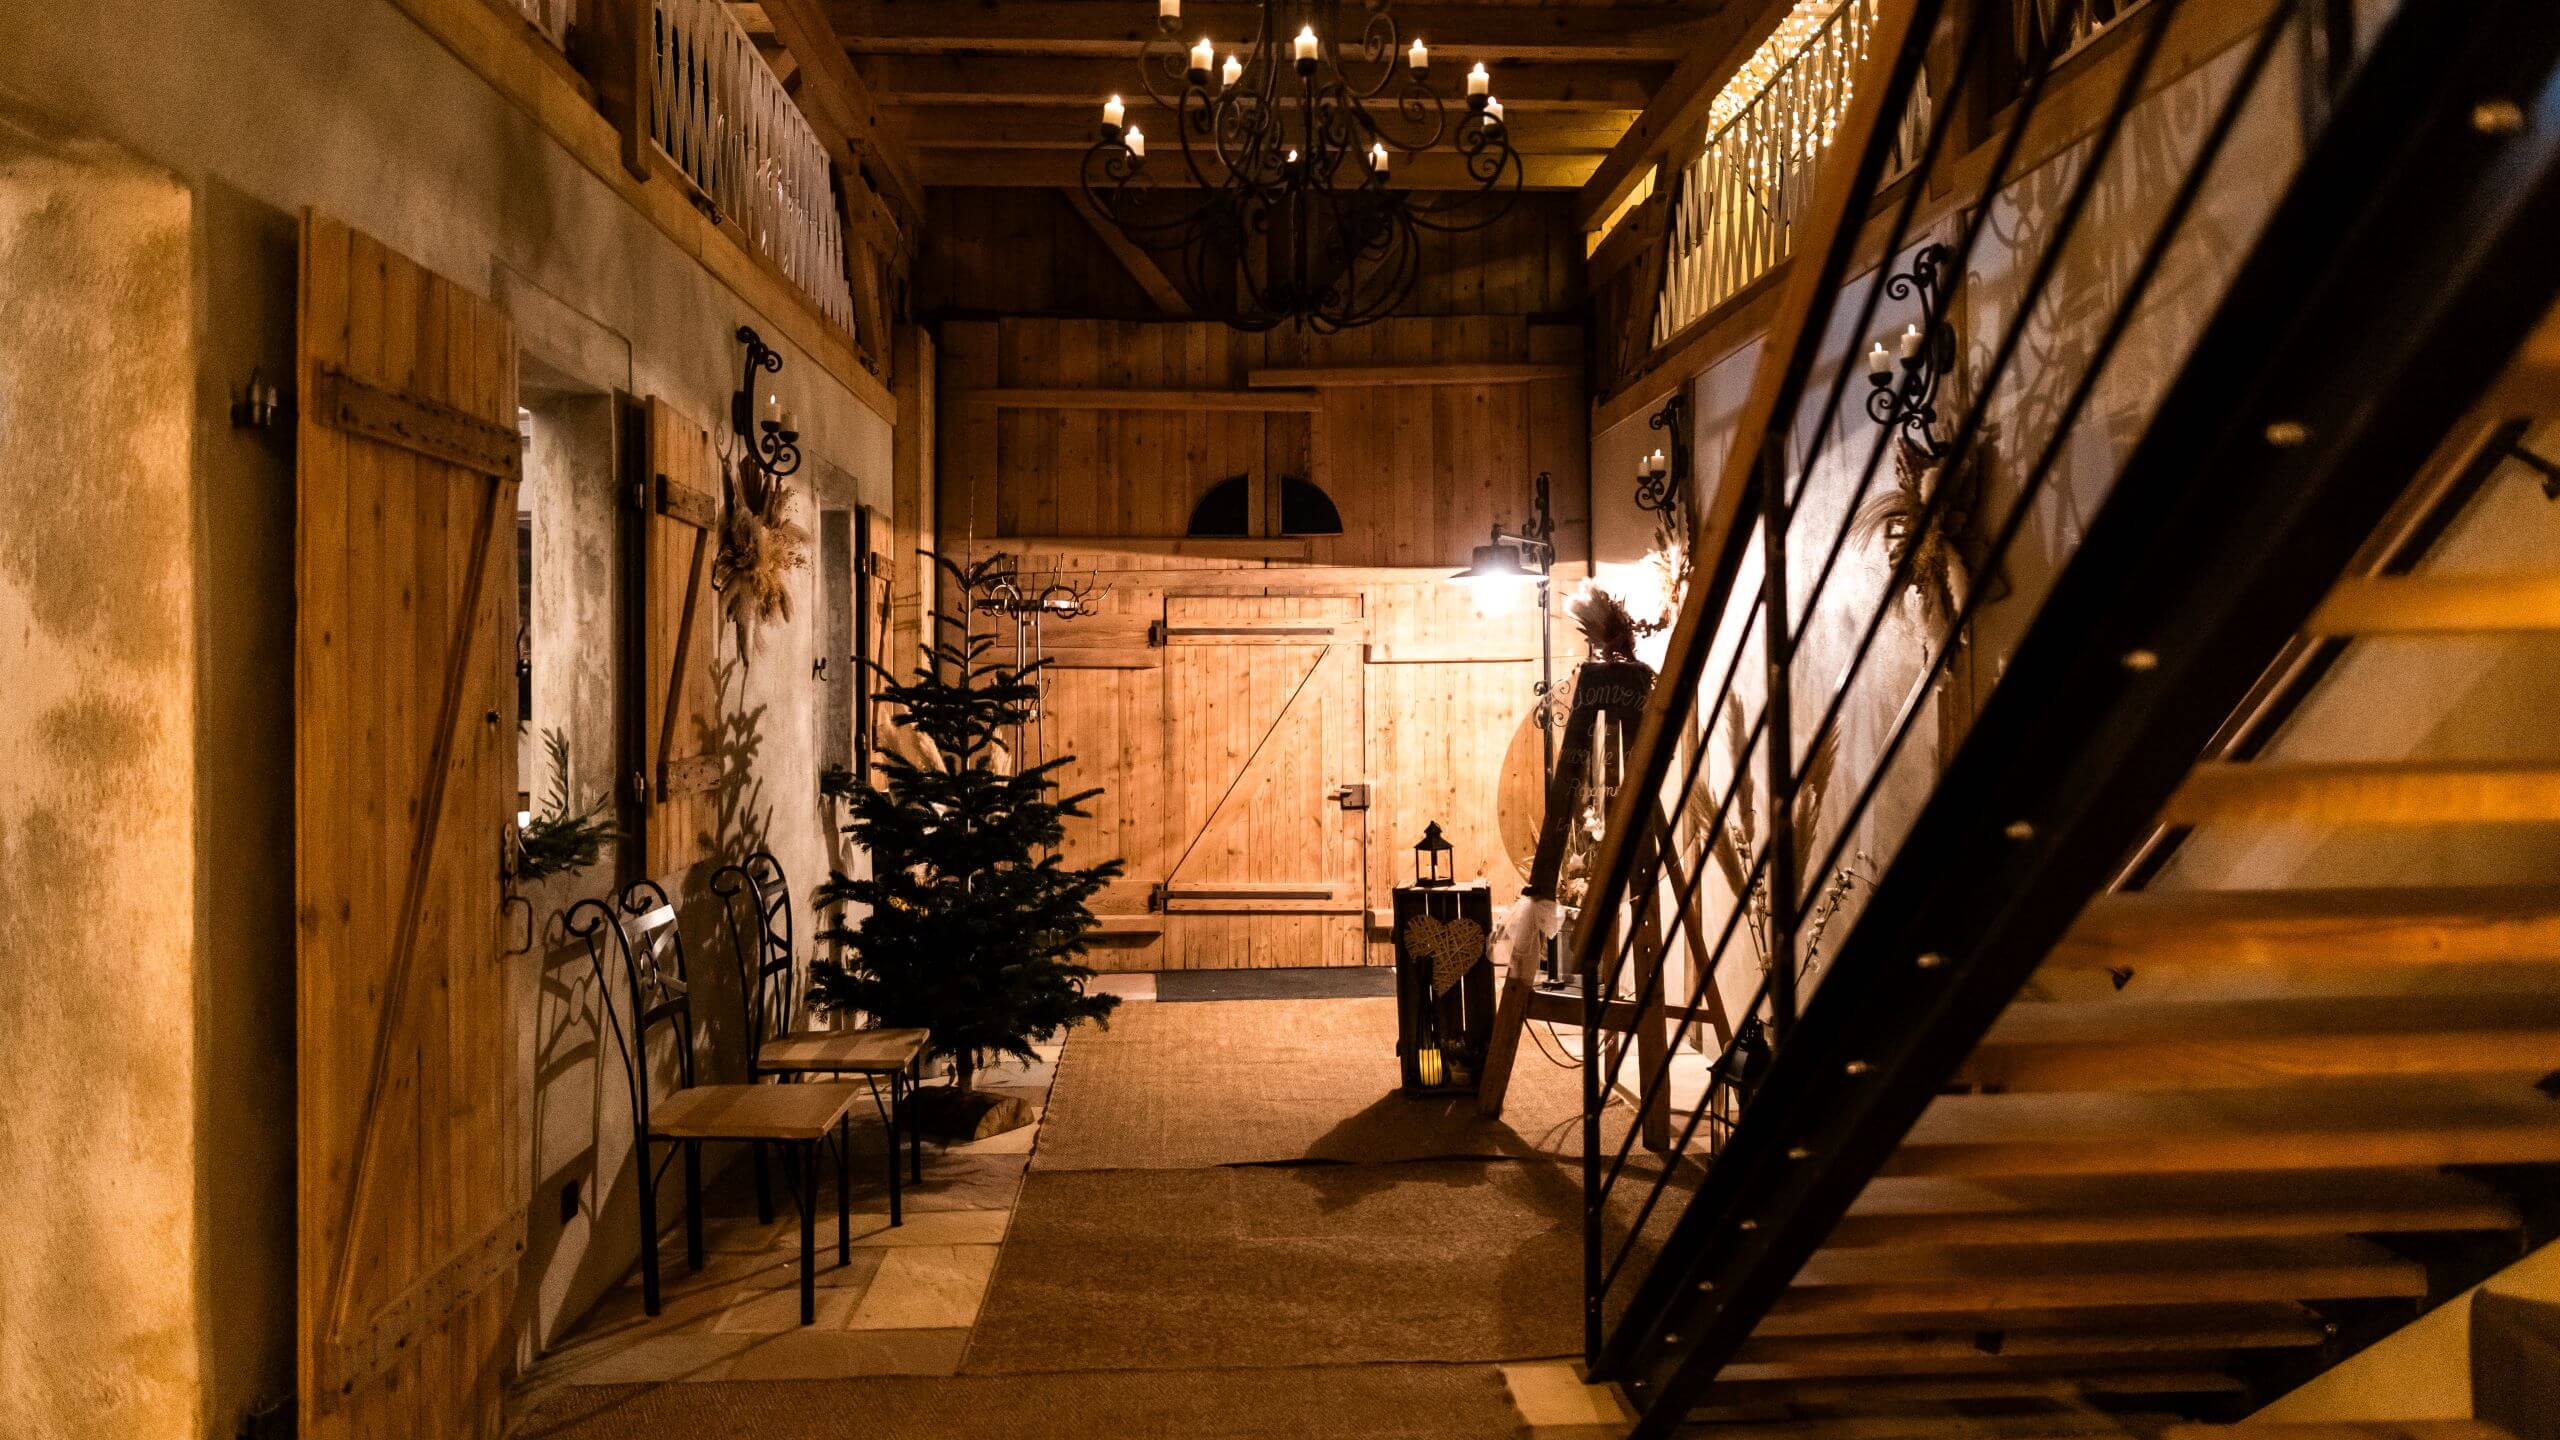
x,y
1987,1387
1989,1281
2223,793
2315,930
2340,1125
2440,605
2231,1064
1988,1351
2039,1321
2342,1430
2101,1226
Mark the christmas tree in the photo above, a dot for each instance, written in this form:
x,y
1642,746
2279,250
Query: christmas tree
x,y
974,921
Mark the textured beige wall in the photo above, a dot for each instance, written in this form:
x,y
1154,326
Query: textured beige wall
x,y
259,108
97,806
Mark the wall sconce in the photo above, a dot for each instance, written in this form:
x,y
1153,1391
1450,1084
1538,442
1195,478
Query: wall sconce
x,y
1503,570
259,405
771,440
1906,377
1662,478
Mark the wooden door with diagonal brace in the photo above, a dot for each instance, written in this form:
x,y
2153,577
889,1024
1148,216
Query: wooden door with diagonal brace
x,y
411,1180
1264,737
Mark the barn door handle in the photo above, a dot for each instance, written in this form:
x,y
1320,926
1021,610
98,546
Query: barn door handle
x,y
1353,797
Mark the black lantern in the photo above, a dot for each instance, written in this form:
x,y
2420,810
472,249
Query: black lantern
x,y
1432,862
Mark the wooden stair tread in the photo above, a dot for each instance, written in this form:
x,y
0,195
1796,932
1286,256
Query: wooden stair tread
x,y
2392,793
2440,605
751,1112
2040,1320
2129,1016
1938,1265
2341,1430
2315,928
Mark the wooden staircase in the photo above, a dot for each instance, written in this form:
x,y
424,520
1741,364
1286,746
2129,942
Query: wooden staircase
x,y
2221,1138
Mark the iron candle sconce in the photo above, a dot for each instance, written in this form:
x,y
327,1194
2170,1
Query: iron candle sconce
x,y
1906,378
771,444
1662,478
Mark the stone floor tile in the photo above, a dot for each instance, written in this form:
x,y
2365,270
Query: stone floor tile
x,y
922,1287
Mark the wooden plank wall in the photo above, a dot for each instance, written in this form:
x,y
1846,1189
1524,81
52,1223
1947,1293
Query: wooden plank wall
x,y
1420,473
1015,252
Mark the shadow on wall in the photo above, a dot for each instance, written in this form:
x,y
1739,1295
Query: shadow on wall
x,y
586,1205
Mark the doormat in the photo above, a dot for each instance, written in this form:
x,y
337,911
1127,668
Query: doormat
x,y
1310,982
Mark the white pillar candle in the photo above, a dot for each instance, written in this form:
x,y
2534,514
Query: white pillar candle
x,y
1202,56
1879,364
1419,57
1492,109
1305,45
1113,112
1168,9
1911,343
1136,140
1233,73
1378,157
791,421
1478,81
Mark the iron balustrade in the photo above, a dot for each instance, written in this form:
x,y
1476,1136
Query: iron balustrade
x,y
1773,829
722,116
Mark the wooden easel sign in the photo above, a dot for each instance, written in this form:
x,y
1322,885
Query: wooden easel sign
x,y
1618,690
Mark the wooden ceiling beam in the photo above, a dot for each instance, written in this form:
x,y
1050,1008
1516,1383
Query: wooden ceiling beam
x,y
1674,121
1133,257
834,96
1082,81
1079,27
1050,168
1074,128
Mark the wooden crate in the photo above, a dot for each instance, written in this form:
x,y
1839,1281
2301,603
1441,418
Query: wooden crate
x,y
1456,1021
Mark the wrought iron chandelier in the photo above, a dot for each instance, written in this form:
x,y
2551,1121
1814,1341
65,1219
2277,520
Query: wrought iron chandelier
x,y
1289,146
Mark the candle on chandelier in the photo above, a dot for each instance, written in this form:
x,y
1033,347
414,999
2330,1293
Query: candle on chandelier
x,y
1911,343
1136,140
1378,157
1879,364
1479,81
1233,73
1419,57
1201,56
1305,46
1113,112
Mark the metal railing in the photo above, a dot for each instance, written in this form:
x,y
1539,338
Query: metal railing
x,y
1735,208
1819,677
722,116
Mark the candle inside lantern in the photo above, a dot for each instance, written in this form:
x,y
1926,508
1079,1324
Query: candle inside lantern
x,y
1233,72
1911,343
1201,56
1113,112
1879,364
1419,57
1479,80
1378,157
1305,46
1136,140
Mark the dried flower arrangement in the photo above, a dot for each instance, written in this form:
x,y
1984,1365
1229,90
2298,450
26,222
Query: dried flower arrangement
x,y
1736,846
761,547
1946,550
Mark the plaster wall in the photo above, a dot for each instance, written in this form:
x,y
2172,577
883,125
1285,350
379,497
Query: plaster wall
x,y
99,1284
260,108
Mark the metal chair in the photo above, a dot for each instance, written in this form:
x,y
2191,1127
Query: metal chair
x,y
643,935
768,988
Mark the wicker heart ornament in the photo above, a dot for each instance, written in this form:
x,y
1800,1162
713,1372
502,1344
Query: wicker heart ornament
x,y
1452,946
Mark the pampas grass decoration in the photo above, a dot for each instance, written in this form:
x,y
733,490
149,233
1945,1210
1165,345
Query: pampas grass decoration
x,y
758,554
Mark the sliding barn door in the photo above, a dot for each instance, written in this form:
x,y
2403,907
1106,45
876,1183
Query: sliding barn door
x,y
1263,709
673,615
412,1203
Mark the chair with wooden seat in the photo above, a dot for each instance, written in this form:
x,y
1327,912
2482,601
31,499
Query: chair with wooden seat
x,y
640,935
755,902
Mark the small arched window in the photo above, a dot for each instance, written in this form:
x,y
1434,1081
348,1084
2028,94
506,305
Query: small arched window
x,y
1226,510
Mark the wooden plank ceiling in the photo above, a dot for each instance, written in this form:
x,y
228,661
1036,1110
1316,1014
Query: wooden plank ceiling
x,y
1007,92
